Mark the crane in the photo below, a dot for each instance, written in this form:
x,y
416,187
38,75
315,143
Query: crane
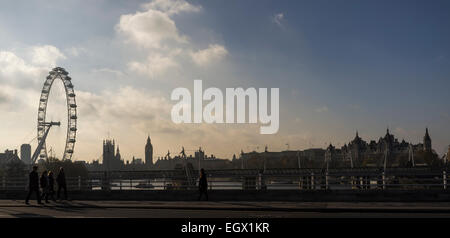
x,y
47,126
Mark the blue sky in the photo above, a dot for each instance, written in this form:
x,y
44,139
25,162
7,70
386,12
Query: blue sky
x,y
340,66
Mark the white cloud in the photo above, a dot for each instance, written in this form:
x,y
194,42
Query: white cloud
x,y
155,33
155,65
75,51
46,55
278,19
19,71
11,64
172,6
211,54
126,104
150,29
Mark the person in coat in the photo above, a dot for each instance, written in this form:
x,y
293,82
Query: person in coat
x,y
51,185
44,185
203,185
33,185
61,180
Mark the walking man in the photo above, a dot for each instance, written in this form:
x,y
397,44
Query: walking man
x,y
33,185
44,185
51,186
203,185
61,179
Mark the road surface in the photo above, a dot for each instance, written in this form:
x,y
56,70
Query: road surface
x,y
158,209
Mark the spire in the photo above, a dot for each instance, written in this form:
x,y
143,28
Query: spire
x,y
356,137
148,139
427,136
427,141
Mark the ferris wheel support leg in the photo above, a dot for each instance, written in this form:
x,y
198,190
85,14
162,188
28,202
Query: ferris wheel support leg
x,y
41,143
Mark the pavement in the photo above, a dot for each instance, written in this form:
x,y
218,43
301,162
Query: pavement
x,y
228,209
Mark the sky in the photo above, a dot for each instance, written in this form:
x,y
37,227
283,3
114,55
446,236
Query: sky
x,y
340,66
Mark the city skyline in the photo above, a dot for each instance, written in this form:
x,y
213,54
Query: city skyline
x,y
373,143
351,71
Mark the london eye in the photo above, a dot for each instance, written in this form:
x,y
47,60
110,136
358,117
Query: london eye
x,y
43,127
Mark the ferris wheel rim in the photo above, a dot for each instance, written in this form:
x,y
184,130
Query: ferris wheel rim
x,y
62,74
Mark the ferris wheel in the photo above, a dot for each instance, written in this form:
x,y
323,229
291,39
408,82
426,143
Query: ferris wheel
x,y
43,126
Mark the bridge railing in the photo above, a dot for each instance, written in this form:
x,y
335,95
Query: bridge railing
x,y
249,180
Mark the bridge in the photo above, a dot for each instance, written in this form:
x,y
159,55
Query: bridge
x,y
357,192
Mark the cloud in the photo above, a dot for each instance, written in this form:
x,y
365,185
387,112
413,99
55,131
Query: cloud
x,y
3,98
321,109
155,33
124,105
46,55
172,7
278,19
155,65
23,72
75,51
150,29
11,65
117,73
209,55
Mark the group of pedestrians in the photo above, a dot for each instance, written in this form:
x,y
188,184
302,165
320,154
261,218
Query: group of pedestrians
x,y
47,184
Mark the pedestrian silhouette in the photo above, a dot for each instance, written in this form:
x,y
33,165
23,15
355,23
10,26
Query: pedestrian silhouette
x,y
44,185
33,185
51,185
203,185
61,179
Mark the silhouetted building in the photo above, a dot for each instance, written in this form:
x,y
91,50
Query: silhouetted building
x,y
200,154
25,153
357,153
427,142
361,153
8,156
199,160
149,152
111,160
137,161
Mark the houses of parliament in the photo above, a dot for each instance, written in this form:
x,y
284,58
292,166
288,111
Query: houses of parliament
x,y
112,160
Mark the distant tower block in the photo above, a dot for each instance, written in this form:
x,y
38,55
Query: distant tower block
x,y
149,152
427,141
25,153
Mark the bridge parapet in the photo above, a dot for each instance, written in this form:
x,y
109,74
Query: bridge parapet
x,y
255,179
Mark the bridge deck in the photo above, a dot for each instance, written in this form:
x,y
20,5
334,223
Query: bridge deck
x,y
149,209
